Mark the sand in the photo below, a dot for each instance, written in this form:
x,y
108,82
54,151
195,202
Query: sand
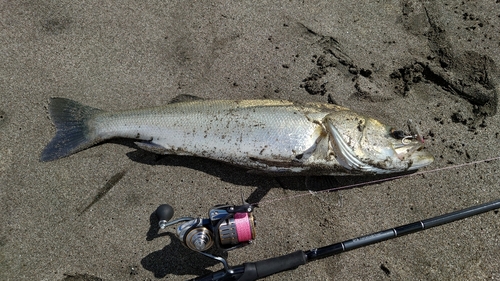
x,y
434,62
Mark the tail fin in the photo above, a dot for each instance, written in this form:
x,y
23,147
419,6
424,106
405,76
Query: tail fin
x,y
72,130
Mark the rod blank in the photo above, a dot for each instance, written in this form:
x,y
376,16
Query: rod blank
x,y
406,229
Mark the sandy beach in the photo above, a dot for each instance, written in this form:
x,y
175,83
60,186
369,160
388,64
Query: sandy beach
x,y
90,216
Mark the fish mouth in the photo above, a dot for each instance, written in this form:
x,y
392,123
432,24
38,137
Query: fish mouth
x,y
415,154
398,158
411,148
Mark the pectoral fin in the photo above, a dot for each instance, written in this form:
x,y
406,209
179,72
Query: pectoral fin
x,y
274,162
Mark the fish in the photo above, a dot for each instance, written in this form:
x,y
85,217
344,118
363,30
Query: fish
x,y
269,136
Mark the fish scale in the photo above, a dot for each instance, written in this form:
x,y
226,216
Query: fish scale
x,y
212,129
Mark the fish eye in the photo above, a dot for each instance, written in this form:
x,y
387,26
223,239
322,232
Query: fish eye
x,y
397,134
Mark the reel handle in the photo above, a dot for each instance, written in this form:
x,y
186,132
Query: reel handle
x,y
164,212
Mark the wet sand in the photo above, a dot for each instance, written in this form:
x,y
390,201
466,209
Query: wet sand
x,y
89,216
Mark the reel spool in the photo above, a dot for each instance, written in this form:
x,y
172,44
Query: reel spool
x,y
228,227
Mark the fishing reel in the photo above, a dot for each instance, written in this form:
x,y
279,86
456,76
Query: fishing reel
x,y
227,227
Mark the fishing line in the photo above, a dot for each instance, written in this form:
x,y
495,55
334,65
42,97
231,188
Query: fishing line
x,y
375,181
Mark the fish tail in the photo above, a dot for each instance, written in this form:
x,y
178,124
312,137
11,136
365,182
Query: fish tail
x,y
73,132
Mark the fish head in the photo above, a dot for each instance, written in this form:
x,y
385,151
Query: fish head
x,y
366,145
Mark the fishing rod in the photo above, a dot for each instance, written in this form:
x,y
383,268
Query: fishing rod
x,y
231,227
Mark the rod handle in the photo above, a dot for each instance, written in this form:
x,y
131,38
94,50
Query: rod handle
x,y
261,269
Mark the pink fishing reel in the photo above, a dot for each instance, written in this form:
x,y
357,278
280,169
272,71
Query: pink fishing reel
x,y
228,227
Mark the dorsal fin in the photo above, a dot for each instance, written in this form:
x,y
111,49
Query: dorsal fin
x,y
184,98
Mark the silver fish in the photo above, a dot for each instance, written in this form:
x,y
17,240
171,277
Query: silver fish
x,y
264,135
